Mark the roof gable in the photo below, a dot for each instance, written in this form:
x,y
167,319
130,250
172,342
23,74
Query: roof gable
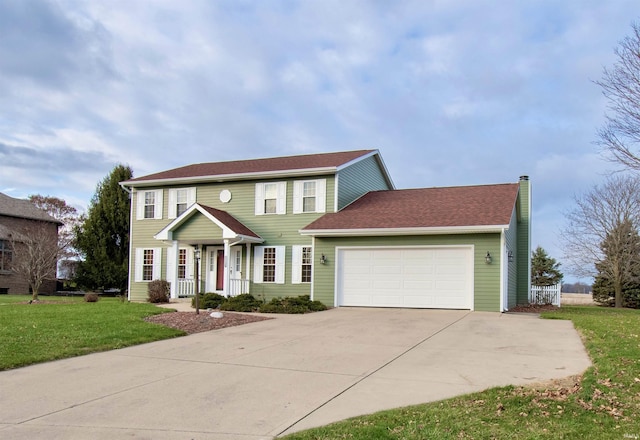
x,y
447,207
239,169
23,209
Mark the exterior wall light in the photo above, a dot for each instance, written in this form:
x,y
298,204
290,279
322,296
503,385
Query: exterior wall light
x,y
323,259
510,256
487,258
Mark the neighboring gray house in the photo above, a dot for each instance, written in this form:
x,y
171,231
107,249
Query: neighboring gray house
x,y
17,215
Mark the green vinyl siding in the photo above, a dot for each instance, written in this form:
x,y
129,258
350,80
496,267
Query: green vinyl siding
x,y
486,276
276,230
358,179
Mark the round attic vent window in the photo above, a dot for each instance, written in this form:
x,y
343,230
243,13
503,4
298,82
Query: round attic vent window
x,y
225,196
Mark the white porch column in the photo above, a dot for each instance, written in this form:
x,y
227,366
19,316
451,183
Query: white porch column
x,y
172,266
227,254
248,270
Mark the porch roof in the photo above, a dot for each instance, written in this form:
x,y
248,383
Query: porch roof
x,y
231,227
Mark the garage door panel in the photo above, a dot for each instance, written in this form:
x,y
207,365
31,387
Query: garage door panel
x,y
406,277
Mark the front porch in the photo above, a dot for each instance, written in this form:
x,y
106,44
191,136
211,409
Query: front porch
x,y
186,287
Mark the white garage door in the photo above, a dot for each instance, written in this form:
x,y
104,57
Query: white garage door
x,y
406,277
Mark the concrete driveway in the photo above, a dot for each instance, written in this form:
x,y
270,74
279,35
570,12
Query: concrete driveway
x,y
264,379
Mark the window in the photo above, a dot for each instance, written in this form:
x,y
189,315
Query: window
x,y
182,263
309,196
149,204
301,264
269,264
5,256
180,199
271,198
306,264
147,264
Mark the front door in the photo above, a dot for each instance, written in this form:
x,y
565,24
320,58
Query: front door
x,y
215,270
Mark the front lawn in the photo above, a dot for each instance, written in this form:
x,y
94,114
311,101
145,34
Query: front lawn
x,y
61,327
604,404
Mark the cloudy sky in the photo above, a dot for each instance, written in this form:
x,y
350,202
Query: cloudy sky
x,y
452,92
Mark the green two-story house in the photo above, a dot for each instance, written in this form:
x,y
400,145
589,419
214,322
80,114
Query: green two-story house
x,y
331,226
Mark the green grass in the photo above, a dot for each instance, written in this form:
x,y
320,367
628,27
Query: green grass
x,y
605,404
32,333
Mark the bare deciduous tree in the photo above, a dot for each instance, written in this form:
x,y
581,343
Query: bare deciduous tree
x,y
620,136
35,252
598,232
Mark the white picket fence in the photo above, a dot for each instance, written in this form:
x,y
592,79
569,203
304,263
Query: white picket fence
x,y
545,295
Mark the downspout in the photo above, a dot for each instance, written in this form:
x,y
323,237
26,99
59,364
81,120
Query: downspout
x,y
131,198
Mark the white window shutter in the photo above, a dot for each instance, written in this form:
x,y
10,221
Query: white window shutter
x,y
281,202
191,196
157,263
140,205
280,254
298,186
138,265
259,199
321,195
188,271
173,199
296,264
258,260
158,208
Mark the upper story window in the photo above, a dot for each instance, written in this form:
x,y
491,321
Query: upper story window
x,y
271,198
180,199
149,204
5,256
309,196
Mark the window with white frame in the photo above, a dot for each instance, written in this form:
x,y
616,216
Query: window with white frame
x,y
182,263
147,267
309,196
6,256
180,199
301,264
271,198
149,204
269,264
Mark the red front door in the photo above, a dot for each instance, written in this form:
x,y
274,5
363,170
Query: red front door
x,y
220,270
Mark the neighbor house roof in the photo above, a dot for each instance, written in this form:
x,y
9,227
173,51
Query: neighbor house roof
x,y
325,163
436,210
21,208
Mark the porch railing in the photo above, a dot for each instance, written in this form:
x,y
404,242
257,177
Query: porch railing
x,y
545,295
187,287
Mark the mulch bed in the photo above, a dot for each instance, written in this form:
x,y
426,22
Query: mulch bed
x,y
190,322
534,308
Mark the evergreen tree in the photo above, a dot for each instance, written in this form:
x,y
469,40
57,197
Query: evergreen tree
x,y
545,271
103,237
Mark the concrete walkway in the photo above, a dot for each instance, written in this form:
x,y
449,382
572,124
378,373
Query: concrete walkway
x,y
264,379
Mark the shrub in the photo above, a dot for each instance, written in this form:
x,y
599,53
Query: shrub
x,y
209,300
158,291
91,297
292,305
242,303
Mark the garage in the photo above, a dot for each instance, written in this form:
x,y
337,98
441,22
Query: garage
x,y
414,277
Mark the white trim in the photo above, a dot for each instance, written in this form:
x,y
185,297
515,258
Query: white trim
x,y
504,276
320,196
156,267
471,268
172,210
281,198
258,255
157,204
403,231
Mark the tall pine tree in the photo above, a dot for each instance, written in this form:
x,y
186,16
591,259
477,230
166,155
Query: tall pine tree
x,y
103,238
545,271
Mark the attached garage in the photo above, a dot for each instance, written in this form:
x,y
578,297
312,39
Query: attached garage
x,y
418,277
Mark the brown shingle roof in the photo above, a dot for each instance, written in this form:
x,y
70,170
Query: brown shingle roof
x,y
239,167
230,221
486,205
23,209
